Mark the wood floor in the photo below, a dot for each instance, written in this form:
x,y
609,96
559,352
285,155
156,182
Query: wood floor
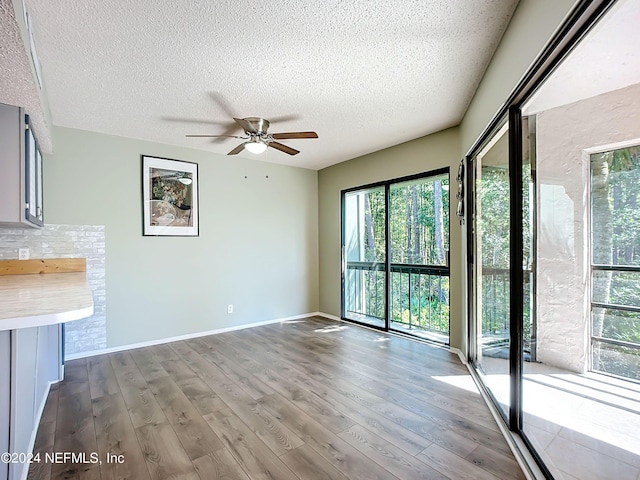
x,y
306,399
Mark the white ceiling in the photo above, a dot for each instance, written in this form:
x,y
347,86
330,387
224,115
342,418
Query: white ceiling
x,y
363,74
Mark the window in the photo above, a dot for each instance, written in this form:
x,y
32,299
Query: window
x,y
615,269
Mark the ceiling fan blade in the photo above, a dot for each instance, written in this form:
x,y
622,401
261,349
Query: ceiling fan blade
x,y
283,136
232,128
284,148
237,150
207,136
246,125
197,120
221,102
284,118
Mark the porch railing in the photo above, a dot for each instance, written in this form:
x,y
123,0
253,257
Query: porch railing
x,y
496,309
419,297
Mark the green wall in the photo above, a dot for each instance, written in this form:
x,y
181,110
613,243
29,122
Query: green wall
x,y
532,25
257,249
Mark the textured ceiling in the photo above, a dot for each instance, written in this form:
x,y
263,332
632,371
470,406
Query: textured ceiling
x,y
17,84
363,74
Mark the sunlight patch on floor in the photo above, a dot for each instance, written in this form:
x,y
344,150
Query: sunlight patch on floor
x,y
330,329
552,408
464,382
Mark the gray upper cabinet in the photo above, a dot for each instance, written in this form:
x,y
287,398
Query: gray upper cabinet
x,y
20,170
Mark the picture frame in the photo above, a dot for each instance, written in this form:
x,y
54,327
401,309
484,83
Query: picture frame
x,y
169,197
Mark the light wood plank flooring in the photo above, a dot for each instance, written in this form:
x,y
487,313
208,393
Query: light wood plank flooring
x,y
305,399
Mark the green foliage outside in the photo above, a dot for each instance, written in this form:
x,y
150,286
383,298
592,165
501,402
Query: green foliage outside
x,y
419,235
615,218
493,230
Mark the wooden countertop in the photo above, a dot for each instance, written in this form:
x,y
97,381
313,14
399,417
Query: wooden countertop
x,y
43,299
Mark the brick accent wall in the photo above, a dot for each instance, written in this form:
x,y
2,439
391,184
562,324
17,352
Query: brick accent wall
x,y
69,241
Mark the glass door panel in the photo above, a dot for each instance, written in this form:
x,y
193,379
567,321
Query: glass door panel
x,y
491,270
419,249
585,313
364,256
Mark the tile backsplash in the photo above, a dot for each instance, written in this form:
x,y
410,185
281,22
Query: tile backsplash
x,y
69,241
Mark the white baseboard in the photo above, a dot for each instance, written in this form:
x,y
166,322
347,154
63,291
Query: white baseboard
x,y
189,336
461,356
330,317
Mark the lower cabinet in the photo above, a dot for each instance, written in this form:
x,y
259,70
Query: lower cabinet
x,y
5,393
34,361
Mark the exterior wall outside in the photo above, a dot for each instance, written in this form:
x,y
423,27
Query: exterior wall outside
x,y
564,135
257,248
69,241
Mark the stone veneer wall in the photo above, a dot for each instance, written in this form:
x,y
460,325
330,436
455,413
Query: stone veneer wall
x,y
69,241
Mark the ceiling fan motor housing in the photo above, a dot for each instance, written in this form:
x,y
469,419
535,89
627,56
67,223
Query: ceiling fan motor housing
x,y
260,124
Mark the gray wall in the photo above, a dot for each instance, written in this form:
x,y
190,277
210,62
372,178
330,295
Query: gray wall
x,y
257,249
533,23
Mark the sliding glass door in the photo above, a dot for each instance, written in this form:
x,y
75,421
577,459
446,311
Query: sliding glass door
x,y
491,272
364,253
419,239
400,227
554,253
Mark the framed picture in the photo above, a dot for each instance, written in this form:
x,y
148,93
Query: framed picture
x,y
169,197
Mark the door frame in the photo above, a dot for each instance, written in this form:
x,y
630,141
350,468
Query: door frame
x,y
387,259
583,17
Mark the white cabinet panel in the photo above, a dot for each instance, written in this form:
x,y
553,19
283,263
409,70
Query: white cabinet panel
x,y
5,384
23,386
34,364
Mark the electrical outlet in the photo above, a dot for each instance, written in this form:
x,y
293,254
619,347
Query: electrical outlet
x,y
23,254
229,308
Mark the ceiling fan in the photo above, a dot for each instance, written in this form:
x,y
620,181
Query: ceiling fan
x,y
257,138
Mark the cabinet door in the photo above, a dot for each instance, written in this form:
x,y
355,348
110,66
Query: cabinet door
x,y
5,383
24,347
33,178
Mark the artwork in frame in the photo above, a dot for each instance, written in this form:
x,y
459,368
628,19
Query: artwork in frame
x,y
169,197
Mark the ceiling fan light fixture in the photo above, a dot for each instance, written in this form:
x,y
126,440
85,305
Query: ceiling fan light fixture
x,y
255,129
256,146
